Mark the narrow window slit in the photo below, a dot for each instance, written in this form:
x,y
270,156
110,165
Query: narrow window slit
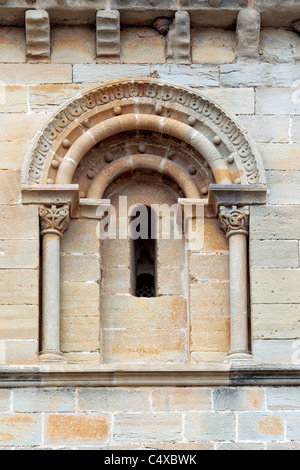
x,y
144,255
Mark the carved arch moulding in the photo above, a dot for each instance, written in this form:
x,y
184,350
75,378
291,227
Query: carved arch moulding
x,y
143,105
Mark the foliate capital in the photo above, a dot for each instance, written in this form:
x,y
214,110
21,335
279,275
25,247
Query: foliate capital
x,y
54,219
234,220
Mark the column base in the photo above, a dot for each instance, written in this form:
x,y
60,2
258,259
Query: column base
x,y
51,356
239,356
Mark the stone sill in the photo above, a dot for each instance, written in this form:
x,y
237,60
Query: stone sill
x,y
63,375
143,12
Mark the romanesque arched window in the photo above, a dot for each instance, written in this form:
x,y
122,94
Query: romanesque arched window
x,y
156,302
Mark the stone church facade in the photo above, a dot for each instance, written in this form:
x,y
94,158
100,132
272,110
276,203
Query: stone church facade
x,y
173,343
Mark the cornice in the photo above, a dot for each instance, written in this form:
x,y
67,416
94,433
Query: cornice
x,y
218,13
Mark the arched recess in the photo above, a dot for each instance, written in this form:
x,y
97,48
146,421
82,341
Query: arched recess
x,y
164,129
143,105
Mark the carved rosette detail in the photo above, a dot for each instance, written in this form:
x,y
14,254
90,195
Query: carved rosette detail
x,y
207,112
54,219
234,220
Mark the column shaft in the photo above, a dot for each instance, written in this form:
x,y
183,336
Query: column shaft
x,y
51,293
239,293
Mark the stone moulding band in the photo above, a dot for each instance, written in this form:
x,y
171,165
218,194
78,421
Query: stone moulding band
x,y
65,376
184,113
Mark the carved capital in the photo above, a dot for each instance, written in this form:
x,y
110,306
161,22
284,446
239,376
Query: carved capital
x,y
54,219
234,220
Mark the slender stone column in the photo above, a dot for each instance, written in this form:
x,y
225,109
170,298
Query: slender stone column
x,y
54,221
234,222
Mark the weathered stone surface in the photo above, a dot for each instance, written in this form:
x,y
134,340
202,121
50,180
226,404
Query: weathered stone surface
x,y
260,75
276,321
81,237
159,312
37,25
283,446
276,351
235,101
292,426
181,399
274,223
274,254
9,186
19,254
111,400
209,427
108,33
78,268
142,46
36,73
12,155
116,280
41,400
261,427
17,352
276,101
80,334
280,156
19,322
147,346
268,129
80,299
214,301
270,286
20,128
20,430
193,75
5,401
283,398
295,130
238,399
170,280
18,287
283,186
66,40
213,46
11,229
13,99
179,39
279,45
148,427
211,335
248,34
77,429
209,267
12,45
46,98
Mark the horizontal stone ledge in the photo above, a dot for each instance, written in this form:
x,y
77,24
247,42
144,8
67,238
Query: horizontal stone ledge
x,y
204,13
107,376
236,195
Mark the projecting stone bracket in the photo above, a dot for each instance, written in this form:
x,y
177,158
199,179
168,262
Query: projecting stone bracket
x,y
108,33
37,25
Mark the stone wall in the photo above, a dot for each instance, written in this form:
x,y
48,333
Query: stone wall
x,y
157,418
259,90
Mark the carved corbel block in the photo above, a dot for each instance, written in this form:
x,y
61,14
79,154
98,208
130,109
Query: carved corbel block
x,y
37,33
248,34
108,33
179,44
